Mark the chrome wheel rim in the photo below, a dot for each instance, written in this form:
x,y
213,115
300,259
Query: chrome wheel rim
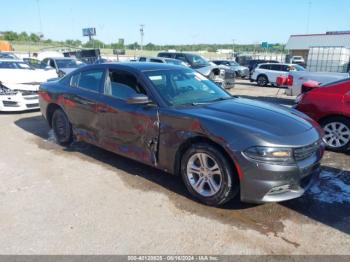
x,y
204,174
336,134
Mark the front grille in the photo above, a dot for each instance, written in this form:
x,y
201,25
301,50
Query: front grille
x,y
302,153
32,105
28,93
31,97
10,103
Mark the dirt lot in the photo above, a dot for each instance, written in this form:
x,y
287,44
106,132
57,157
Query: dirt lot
x,y
84,200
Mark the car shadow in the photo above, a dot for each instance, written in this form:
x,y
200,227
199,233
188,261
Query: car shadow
x,y
321,206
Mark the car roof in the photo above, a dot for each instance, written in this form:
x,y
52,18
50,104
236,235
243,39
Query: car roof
x,y
61,58
146,66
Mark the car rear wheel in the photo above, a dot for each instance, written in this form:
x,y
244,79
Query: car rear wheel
x,y
62,128
337,133
262,80
208,176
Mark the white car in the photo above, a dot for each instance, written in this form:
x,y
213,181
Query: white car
x,y
265,74
297,60
19,84
296,79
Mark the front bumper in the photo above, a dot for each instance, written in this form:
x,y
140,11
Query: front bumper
x,y
261,182
19,102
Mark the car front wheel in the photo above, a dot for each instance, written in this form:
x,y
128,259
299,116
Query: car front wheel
x,y
62,127
208,176
337,133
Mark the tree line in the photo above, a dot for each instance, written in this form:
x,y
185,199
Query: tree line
x,y
95,43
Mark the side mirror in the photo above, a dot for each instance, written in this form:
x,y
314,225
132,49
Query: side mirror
x,y
138,99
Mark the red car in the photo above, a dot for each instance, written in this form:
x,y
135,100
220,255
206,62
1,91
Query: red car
x,y
329,105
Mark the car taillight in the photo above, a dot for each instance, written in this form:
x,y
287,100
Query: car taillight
x,y
289,81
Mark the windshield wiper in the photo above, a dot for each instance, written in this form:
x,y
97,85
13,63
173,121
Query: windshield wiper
x,y
213,101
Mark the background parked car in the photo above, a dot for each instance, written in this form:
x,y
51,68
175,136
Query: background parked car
x,y
223,77
241,71
265,74
296,79
8,55
328,104
63,65
299,60
252,64
161,60
19,83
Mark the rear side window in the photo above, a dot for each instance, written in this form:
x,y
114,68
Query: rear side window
x,y
155,60
90,80
122,85
181,57
268,67
164,55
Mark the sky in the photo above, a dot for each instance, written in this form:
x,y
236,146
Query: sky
x,y
177,21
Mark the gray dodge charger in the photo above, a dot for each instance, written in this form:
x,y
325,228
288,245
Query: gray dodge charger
x,y
176,120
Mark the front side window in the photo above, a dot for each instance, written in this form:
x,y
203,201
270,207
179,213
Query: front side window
x,y
90,80
122,85
276,67
185,86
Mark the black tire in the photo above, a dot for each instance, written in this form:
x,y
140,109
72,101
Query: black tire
x,y
62,128
229,187
336,120
262,80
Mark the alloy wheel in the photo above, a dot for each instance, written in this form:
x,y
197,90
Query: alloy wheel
x,y
204,174
336,134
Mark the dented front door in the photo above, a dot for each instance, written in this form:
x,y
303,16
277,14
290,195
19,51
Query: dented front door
x,y
129,130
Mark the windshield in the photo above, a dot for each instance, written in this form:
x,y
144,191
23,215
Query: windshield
x,y
233,63
66,63
14,65
196,60
174,62
297,68
185,86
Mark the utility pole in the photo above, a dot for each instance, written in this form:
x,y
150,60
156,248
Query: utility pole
x,y
142,34
233,48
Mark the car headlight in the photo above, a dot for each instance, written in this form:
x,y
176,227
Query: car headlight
x,y
222,71
272,155
4,91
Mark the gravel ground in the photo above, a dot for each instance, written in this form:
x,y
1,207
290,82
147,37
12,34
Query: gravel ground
x,y
84,200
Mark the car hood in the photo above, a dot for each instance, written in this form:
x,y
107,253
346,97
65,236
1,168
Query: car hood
x,y
258,116
13,77
68,70
205,70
